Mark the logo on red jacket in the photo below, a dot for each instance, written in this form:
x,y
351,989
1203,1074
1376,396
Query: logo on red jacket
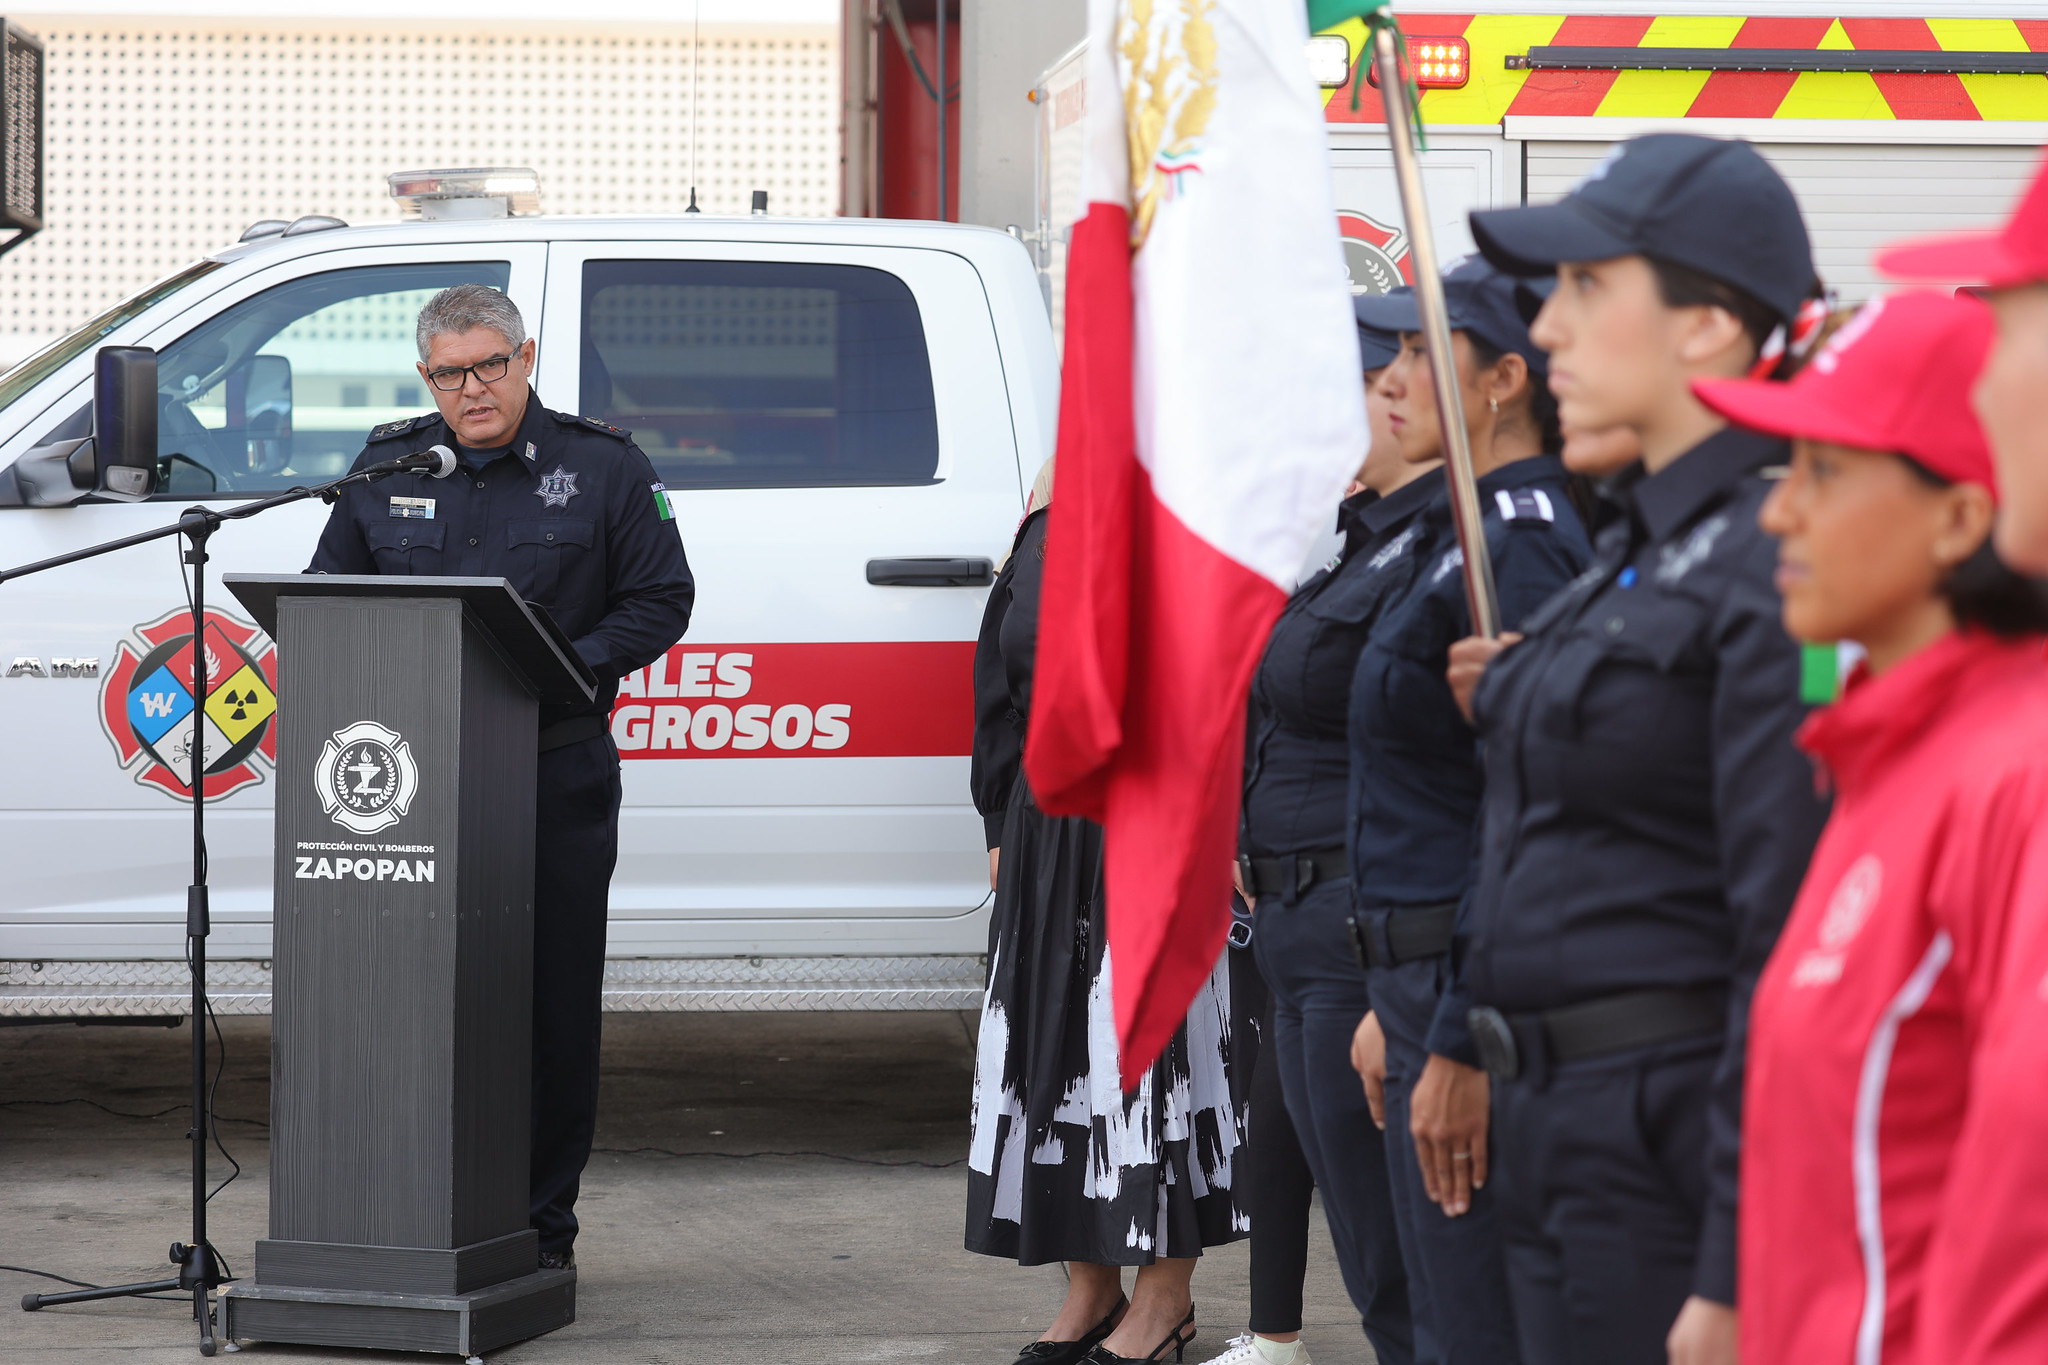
x,y
156,723
1848,911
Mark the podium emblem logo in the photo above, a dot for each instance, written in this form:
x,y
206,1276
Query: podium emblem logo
x,y
366,777
161,729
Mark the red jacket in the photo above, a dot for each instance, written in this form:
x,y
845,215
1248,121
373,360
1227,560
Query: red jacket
x,y
1861,1030
1986,1300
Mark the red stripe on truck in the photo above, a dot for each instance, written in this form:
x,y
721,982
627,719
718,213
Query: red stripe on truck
x,y
1912,94
1577,94
1757,94
898,699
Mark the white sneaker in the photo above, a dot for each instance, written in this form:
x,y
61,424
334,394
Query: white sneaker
x,y
1244,1350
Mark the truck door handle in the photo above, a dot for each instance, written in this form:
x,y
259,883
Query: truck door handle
x,y
931,573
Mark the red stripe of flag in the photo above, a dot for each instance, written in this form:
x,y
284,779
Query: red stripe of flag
x,y
1935,95
1369,109
1757,94
1577,94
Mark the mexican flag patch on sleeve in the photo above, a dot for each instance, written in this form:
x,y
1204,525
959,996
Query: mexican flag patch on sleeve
x,y
661,507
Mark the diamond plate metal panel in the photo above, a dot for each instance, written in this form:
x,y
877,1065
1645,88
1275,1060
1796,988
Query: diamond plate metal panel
x,y
63,990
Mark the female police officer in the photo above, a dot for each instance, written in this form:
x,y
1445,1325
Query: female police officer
x,y
1414,796
1293,870
1647,818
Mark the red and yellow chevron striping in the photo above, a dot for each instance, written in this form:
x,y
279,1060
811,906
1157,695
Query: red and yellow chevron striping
x,y
1495,92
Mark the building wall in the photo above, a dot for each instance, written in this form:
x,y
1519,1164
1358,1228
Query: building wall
x,y
1006,47
166,138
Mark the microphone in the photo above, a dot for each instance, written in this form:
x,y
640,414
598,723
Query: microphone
x,y
437,461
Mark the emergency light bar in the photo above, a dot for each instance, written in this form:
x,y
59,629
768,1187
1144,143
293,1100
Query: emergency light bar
x,y
1873,60
470,192
1434,63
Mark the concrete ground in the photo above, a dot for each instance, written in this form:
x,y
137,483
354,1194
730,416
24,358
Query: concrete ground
x,y
771,1189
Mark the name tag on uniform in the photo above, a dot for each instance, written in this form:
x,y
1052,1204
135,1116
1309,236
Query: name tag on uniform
x,y
413,507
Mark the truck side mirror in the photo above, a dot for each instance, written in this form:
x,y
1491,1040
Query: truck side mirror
x,y
124,422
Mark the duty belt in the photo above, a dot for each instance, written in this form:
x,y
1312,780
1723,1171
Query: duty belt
x,y
1508,1044
1388,938
1292,875
574,730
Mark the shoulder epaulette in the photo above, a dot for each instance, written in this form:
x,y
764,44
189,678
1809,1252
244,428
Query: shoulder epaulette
x,y
1531,506
400,427
574,420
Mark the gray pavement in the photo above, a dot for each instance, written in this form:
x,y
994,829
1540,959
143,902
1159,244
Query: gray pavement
x,y
769,1189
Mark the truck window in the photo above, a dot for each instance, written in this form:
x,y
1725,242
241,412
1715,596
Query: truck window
x,y
282,387
756,374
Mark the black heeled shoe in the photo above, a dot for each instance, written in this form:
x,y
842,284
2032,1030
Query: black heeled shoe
x,y
1072,1352
1177,1340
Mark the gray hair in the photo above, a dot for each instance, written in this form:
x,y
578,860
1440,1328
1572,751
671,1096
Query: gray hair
x,y
466,307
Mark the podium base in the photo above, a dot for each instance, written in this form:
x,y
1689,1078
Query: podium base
x,y
451,1324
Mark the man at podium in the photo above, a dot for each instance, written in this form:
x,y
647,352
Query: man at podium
x,y
570,512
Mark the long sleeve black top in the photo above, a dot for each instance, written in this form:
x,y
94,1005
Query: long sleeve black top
x,y
1003,658
571,513
1415,781
1296,764
1647,819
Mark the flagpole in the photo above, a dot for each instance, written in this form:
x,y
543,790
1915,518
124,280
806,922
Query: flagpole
x,y
1480,596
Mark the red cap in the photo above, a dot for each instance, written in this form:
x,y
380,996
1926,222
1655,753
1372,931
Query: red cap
x,y
2015,254
1896,377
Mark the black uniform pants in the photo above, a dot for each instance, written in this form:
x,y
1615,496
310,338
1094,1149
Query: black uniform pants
x,y
1602,1182
1457,1272
1278,1187
576,844
1319,994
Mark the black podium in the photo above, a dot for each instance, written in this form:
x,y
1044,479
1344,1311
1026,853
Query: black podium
x,y
403,965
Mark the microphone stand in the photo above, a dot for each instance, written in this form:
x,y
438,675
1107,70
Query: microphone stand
x,y
201,1269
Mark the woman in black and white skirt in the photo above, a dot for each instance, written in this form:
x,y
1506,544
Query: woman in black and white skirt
x,y
1064,1166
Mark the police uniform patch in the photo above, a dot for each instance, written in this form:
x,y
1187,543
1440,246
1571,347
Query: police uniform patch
x,y
661,503
1525,505
595,425
556,488
398,428
422,508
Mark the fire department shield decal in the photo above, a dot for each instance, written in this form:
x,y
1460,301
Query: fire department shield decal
x,y
366,777
159,726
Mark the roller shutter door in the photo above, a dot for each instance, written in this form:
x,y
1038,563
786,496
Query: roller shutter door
x,y
1857,198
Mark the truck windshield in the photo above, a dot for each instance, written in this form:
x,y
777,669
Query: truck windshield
x,y
50,359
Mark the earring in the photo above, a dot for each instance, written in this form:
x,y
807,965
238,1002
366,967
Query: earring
x,y
1493,404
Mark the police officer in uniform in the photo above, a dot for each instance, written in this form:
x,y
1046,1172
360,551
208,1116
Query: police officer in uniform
x,y
1646,818
569,510
1294,872
1415,795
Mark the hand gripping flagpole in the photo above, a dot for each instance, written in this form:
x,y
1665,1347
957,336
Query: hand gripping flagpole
x,y
1480,596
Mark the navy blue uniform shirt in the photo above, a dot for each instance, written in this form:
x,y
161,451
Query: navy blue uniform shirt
x,y
1647,819
1415,777
1295,763
571,513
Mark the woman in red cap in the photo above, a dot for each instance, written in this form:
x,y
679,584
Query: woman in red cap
x,y
1986,1295
1861,1028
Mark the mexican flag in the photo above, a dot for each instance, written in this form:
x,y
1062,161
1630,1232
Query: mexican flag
x,y
1211,413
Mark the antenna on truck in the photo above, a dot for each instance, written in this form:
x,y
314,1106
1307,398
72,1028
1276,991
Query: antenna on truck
x,y
696,65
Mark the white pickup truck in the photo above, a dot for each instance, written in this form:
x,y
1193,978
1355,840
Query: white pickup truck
x,y
829,402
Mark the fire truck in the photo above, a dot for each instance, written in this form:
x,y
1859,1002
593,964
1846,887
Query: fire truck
x,y
1887,120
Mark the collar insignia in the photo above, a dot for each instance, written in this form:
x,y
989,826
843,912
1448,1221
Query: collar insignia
x,y
532,452
556,488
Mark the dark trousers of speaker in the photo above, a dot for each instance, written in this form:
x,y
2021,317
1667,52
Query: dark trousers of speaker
x,y
576,846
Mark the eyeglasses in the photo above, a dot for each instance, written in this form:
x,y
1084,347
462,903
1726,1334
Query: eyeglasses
x,y
449,378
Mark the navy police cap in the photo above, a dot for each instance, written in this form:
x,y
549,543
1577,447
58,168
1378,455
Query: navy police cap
x,y
1376,346
1481,301
1708,203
